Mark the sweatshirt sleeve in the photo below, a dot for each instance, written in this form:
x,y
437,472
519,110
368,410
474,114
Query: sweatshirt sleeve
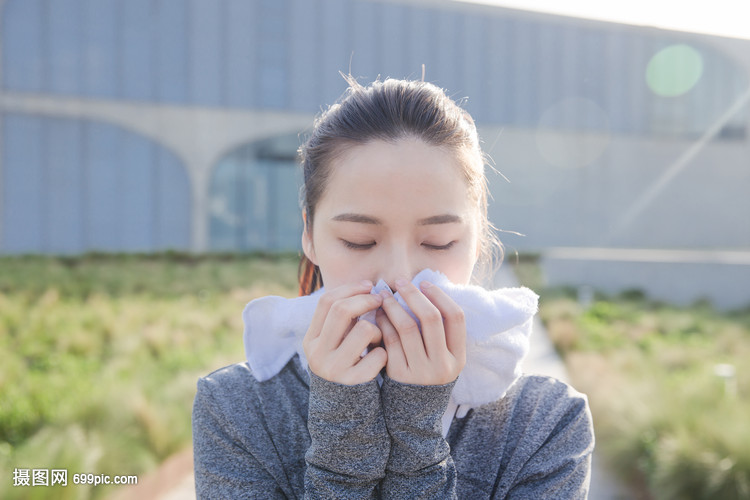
x,y
349,442
561,467
420,464
223,467
553,438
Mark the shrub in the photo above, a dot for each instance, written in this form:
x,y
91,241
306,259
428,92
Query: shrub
x,y
662,415
101,355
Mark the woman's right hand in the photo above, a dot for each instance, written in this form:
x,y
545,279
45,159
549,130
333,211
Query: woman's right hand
x,y
336,339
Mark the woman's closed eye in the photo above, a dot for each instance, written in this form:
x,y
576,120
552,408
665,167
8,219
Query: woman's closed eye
x,y
430,246
358,246
366,246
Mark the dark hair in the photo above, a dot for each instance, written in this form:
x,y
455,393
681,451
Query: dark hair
x,y
390,110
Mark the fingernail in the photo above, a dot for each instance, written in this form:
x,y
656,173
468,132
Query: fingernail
x,y
401,282
425,285
384,293
366,283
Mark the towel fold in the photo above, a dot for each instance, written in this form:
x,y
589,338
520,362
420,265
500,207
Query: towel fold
x,y
498,326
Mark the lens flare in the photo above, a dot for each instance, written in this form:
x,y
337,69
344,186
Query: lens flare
x,y
674,70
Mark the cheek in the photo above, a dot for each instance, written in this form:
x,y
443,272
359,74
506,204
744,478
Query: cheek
x,y
463,261
458,270
457,264
340,266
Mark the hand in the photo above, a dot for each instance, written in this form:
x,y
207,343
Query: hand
x,y
335,339
436,355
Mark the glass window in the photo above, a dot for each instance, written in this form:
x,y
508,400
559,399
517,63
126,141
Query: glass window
x,y
254,198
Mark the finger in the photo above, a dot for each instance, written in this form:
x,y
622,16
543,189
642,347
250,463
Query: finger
x,y
454,319
328,299
391,340
369,366
433,330
406,328
362,334
341,314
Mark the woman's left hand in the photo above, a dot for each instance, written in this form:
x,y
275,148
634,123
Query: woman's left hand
x,y
437,354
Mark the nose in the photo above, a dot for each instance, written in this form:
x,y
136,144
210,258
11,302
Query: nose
x,y
398,264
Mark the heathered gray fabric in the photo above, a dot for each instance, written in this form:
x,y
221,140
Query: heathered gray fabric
x,y
252,440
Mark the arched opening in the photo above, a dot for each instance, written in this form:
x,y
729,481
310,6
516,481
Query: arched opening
x,y
254,197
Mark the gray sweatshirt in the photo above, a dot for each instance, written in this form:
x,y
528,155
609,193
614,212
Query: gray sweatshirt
x,y
299,436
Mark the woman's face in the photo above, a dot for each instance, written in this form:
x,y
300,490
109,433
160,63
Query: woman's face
x,y
390,210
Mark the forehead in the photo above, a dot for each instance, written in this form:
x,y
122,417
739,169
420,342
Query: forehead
x,y
398,171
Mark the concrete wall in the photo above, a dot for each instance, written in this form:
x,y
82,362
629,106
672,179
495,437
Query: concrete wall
x,y
669,218
634,192
680,277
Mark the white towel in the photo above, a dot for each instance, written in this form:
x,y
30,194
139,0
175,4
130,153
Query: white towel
x,y
498,326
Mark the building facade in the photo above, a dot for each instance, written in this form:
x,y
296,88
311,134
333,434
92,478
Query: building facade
x,y
145,125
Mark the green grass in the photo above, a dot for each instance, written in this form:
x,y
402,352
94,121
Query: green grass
x,y
101,355
663,416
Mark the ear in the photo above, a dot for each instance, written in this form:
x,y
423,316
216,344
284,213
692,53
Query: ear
x,y
307,243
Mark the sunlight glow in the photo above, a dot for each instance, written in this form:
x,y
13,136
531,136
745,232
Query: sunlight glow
x,y
727,18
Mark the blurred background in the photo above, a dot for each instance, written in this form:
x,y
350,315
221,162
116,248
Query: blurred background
x,y
128,127
150,125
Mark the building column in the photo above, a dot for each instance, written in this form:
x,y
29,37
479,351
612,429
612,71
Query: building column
x,y
200,187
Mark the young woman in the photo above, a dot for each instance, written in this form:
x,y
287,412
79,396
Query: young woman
x,y
394,186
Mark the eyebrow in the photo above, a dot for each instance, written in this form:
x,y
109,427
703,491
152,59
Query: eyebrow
x,y
440,219
366,219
